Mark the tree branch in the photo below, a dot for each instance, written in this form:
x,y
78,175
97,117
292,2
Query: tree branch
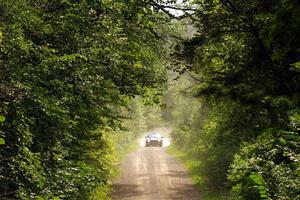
x,y
164,8
153,3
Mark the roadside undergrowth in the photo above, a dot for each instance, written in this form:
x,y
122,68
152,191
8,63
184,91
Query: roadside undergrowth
x,y
122,153
118,152
192,165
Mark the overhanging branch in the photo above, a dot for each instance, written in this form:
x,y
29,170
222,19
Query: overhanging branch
x,y
164,8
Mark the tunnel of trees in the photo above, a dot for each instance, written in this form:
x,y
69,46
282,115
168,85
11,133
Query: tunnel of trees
x,y
81,79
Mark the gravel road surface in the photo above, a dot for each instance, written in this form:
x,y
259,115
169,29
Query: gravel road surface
x,y
151,174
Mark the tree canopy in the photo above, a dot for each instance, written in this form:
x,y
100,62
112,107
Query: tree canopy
x,y
75,77
244,65
67,69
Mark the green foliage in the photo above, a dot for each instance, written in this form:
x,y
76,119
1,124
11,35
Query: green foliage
x,y
2,141
268,168
2,118
66,70
244,61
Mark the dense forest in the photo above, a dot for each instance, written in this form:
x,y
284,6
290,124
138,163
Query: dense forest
x,y
70,76
236,109
81,79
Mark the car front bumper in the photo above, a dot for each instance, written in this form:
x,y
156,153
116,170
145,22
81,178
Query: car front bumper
x,y
154,143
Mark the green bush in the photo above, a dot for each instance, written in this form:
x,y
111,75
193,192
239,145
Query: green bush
x,y
268,168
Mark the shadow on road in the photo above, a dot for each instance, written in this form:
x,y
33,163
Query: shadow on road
x,y
183,193
127,190
176,174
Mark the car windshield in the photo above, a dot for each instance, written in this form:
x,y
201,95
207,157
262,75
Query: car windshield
x,y
154,135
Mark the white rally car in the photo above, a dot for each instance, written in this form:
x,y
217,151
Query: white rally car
x,y
154,139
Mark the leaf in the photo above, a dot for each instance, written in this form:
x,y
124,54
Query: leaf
x,y
2,141
256,179
296,66
2,118
264,196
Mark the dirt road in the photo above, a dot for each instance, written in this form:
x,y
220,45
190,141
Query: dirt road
x,y
151,174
